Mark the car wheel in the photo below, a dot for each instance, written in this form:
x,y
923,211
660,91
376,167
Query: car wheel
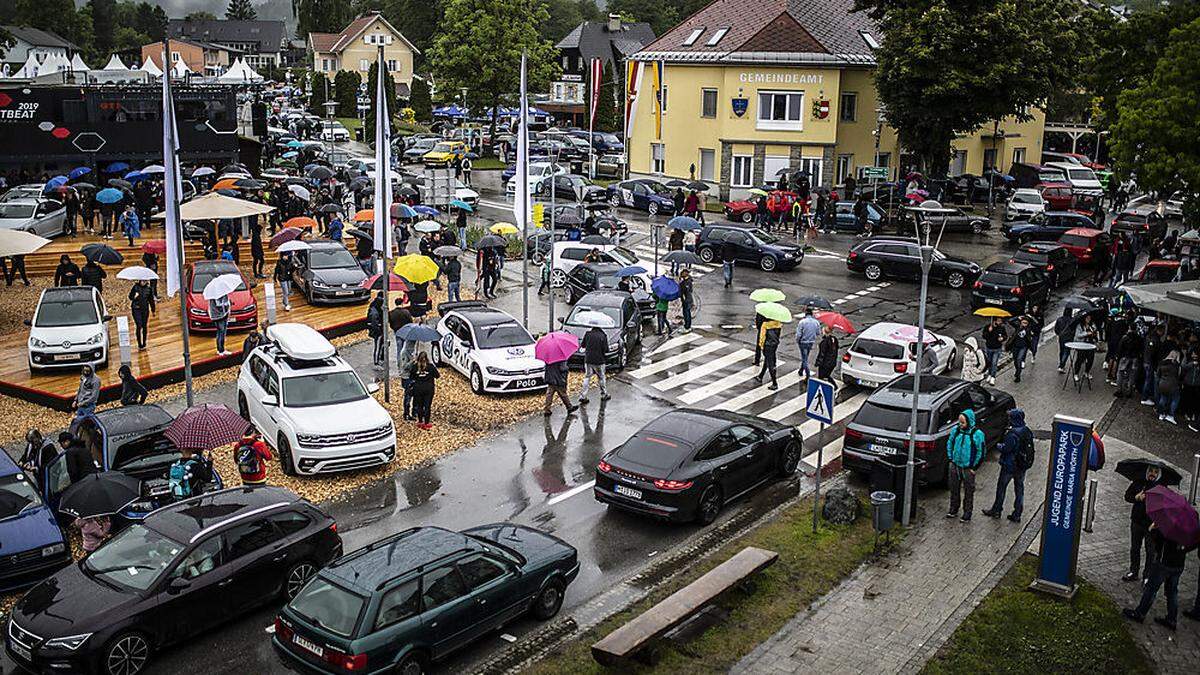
x,y
767,263
476,380
710,505
297,576
435,354
977,227
571,295
789,459
538,258
558,278
873,271
286,462
413,664
955,280
243,407
707,254
127,654
652,209
748,217
549,601
615,200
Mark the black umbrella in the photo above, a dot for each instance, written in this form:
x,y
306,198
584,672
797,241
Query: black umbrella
x,y
567,219
359,234
406,191
235,168
698,186
782,171
1135,469
99,494
320,173
813,301
682,257
120,183
250,184
1081,304
330,208
102,254
676,183
491,241
83,186
296,180
595,240
1103,293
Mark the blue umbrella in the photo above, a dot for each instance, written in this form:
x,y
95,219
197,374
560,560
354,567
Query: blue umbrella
x,y
56,182
400,210
109,196
79,171
425,210
684,223
135,176
228,193
415,332
665,288
294,144
460,204
631,271
290,154
116,167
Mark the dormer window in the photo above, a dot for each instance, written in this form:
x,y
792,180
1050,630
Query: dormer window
x,y
869,39
712,41
691,39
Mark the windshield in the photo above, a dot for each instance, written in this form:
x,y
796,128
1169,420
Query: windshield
x,y
59,313
16,495
443,147
201,278
888,418
613,313
134,558
763,236
1049,176
1082,174
16,210
623,256
1027,199
1032,258
330,258
608,138
500,335
328,606
322,389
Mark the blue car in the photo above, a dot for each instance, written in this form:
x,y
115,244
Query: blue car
x,y
642,194
32,546
602,141
840,217
1048,226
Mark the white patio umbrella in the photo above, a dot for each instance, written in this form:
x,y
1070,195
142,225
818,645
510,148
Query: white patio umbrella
x,y
428,226
222,286
593,320
204,171
137,273
293,245
18,242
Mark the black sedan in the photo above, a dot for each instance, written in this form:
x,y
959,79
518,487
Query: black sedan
x,y
1054,260
749,245
623,336
327,272
687,464
573,188
900,258
587,277
187,568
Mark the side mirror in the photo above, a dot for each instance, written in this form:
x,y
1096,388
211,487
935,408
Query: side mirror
x,y
270,401
372,387
562,320
177,586
28,322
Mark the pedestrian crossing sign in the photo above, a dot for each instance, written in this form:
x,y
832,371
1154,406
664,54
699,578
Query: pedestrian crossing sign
x,y
819,404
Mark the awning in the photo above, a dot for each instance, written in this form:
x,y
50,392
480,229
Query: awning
x,y
1144,293
213,206
1182,301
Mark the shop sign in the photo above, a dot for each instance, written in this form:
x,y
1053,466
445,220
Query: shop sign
x,y
781,78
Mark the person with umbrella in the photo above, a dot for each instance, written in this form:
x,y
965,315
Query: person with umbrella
x,y
1020,343
131,225
336,227
687,297
728,260
1085,332
557,379
460,222
67,273
422,376
93,275
994,339
1173,531
827,353
807,331
141,306
768,342
218,312
1143,475
283,276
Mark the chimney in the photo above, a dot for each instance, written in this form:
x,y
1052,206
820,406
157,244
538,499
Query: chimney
x,y
614,23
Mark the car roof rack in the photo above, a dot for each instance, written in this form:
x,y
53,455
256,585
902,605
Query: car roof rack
x,y
445,307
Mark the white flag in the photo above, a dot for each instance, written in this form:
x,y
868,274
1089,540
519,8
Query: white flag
x,y
521,207
172,188
383,163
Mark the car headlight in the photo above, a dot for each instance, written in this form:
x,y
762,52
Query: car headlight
x,y
96,339
34,342
789,255
306,439
198,312
319,284
492,370
53,549
251,307
69,643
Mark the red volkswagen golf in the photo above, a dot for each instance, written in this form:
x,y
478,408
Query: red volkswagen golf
x,y
243,310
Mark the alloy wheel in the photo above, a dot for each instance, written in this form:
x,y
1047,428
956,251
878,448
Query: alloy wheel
x,y
297,577
128,655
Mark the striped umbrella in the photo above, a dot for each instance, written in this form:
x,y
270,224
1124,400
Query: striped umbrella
x,y
205,427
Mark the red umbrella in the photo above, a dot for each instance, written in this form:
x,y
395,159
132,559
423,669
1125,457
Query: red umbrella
x,y
301,223
835,321
285,235
205,427
155,246
395,282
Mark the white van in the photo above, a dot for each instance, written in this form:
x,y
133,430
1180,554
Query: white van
x,y
1082,179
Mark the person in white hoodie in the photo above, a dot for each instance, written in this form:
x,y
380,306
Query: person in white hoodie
x,y
973,361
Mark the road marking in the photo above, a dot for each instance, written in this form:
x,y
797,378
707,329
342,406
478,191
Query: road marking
x,y
693,374
758,393
649,250
570,493
680,358
676,341
839,301
828,454
872,288
714,388
732,326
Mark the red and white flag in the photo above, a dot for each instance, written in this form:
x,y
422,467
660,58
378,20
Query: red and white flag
x,y
597,67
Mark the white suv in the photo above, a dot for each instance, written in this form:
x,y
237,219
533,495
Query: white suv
x,y
311,406
69,328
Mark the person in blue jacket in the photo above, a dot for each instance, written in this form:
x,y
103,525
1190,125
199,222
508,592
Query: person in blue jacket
x,y
1012,467
965,451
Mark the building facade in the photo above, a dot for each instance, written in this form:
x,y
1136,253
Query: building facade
x,y
34,42
751,88
356,48
612,42
204,58
259,43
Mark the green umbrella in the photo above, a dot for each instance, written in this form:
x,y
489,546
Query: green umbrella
x,y
759,192
767,295
774,311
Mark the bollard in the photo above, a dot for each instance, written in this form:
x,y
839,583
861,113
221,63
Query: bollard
x,y
1195,477
1091,505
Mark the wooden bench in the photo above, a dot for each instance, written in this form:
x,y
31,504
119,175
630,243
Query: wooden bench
x,y
626,641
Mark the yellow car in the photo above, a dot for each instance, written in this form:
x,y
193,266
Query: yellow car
x,y
444,152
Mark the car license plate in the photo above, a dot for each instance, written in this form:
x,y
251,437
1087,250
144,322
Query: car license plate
x,y
526,383
993,301
314,648
20,651
627,491
66,357
881,449
345,292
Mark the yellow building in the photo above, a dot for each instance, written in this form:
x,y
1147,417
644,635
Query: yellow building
x,y
357,47
753,87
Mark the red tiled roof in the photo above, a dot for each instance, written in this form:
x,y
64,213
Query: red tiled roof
x,y
323,42
353,29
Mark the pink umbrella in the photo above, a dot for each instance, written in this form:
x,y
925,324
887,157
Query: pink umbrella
x,y
395,282
1173,515
556,346
285,235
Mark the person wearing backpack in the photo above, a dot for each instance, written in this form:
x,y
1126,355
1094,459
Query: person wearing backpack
x,y
1016,456
252,455
181,475
965,450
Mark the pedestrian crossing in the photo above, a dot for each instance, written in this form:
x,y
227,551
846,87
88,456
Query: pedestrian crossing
x,y
645,252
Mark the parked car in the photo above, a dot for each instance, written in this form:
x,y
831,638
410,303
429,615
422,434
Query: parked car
x,y
1027,175
1010,286
488,346
1085,243
687,464
642,194
444,153
1158,271
839,216
603,141
33,544
1048,226
328,273
1082,179
568,254
740,210
588,277
1058,197
414,153
311,406
750,245
539,172
900,258
624,336
27,191
36,215
69,328
881,426
956,220
1140,221
887,350
406,601
1055,261
243,309
185,570
1025,202
572,188
610,165
332,130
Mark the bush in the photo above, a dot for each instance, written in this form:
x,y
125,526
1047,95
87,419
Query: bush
x,y
512,250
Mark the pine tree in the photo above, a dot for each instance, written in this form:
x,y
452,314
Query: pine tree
x,y
608,117
241,10
345,92
316,100
420,100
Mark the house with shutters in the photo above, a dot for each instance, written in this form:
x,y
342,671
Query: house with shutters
x,y
356,48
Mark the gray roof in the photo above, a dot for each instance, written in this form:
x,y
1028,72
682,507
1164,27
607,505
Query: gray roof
x,y
38,37
594,41
268,34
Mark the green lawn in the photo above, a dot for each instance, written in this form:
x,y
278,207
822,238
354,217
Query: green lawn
x,y
809,565
488,164
351,123
1015,630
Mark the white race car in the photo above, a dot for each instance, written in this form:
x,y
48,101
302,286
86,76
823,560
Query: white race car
x,y
488,346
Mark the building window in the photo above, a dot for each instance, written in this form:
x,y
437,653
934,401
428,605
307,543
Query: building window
x,y
780,110
708,102
664,99
845,165
883,159
813,167
849,112
958,163
708,164
658,162
989,158
364,65
1018,155
743,171
174,57
691,39
712,41
391,65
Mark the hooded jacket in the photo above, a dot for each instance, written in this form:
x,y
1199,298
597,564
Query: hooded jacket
x,y
973,361
1011,444
965,447
89,391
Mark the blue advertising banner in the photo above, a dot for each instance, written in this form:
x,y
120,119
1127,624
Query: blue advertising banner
x,y
1062,513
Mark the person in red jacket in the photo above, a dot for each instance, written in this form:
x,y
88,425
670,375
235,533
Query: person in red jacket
x,y
252,455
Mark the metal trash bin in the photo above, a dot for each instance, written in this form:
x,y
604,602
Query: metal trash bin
x,y
887,474
883,510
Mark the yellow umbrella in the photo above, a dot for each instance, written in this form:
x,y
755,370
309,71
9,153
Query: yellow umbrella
x,y
993,311
503,229
416,268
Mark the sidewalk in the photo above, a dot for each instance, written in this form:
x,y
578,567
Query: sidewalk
x,y
893,616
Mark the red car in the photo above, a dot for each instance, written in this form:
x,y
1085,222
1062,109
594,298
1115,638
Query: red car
x,y
745,210
741,209
1084,243
243,310
1058,196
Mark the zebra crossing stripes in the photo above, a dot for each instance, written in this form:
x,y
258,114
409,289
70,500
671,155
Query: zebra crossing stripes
x,y
718,386
757,394
698,269
677,359
696,372
677,341
840,412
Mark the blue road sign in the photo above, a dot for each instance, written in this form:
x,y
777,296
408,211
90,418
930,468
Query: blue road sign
x,y
1063,513
819,404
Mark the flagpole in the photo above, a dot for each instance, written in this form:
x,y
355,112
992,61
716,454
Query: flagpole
x,y
173,221
383,210
521,196
593,99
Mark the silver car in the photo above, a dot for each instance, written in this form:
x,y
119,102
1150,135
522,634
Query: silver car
x,y
28,191
43,217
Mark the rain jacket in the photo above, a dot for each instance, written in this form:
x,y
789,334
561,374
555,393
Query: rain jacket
x,y
131,226
965,447
973,361
768,335
1011,444
89,391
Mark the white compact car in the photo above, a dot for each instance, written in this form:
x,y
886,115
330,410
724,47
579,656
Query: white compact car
x,y
538,173
69,328
36,215
887,350
334,131
488,346
311,406
568,254
1024,203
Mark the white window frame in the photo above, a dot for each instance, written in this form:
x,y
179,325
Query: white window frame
x,y
843,167
741,164
711,175
712,41
658,158
364,65
693,36
704,92
1019,155
784,124
815,168
392,65
853,95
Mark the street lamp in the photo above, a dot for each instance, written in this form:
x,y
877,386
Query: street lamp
x,y
330,112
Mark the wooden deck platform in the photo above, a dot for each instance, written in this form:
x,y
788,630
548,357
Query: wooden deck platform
x,y
43,262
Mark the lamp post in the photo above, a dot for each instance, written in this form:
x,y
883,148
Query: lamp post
x,y
330,113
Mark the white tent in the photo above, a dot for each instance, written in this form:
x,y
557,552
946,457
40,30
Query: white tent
x,y
180,69
114,64
240,72
150,67
54,63
30,68
78,65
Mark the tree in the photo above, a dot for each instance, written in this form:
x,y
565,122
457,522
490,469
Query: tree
x,y
103,26
320,88
420,100
946,67
151,21
418,19
608,109
481,50
321,16
1156,122
241,10
345,92
200,16
389,92
565,15
662,15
